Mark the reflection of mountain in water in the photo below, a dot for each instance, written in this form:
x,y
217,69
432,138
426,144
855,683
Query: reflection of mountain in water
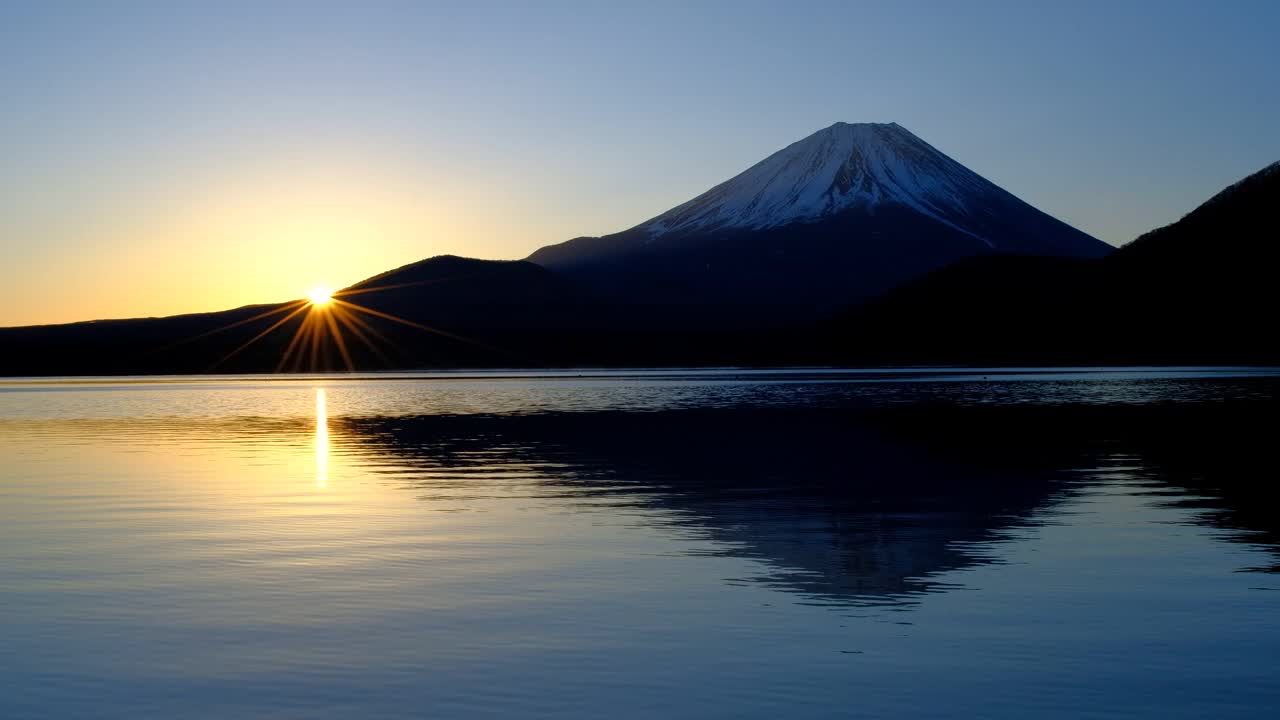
x,y
1215,453
838,511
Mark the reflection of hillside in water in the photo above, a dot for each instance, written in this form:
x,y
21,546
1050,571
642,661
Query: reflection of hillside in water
x,y
836,511
1213,454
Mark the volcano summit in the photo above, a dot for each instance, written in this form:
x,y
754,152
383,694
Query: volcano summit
x,y
844,214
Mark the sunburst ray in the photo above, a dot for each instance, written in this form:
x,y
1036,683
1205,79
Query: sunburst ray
x,y
258,337
419,326
338,340
293,304
298,336
352,323
323,331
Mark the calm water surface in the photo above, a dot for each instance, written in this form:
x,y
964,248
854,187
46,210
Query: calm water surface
x,y
995,543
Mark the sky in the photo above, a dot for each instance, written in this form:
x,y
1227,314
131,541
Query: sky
x,y
160,158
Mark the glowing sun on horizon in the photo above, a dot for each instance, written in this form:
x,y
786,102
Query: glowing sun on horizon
x,y
320,295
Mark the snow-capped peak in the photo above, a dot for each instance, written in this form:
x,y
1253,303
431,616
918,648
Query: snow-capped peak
x,y
840,167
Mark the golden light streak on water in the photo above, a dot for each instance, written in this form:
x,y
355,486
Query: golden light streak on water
x,y
322,440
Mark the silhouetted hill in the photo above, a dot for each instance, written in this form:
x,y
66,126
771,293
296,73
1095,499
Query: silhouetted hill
x,y
1199,290
452,291
1241,220
442,312
179,343
447,311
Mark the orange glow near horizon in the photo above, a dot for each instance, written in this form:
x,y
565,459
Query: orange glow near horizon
x,y
260,231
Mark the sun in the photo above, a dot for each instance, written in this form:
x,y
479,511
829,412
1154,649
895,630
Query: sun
x,y
320,295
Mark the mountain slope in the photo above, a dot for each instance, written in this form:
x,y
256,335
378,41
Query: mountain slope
x,y
452,290
1241,220
1199,290
842,215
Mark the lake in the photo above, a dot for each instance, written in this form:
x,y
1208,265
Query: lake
x,y
634,544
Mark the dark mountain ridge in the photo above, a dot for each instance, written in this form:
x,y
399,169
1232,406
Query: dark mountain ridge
x,y
441,311
1198,290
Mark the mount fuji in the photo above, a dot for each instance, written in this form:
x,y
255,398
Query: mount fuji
x,y
838,217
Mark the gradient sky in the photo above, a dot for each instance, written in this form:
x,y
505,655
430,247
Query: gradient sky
x,y
173,157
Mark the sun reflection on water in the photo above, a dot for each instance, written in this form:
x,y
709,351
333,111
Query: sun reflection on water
x,y
322,439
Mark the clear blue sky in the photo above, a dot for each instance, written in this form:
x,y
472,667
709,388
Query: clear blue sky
x,y
166,157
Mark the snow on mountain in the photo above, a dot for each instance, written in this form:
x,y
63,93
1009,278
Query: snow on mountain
x,y
844,166
838,217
